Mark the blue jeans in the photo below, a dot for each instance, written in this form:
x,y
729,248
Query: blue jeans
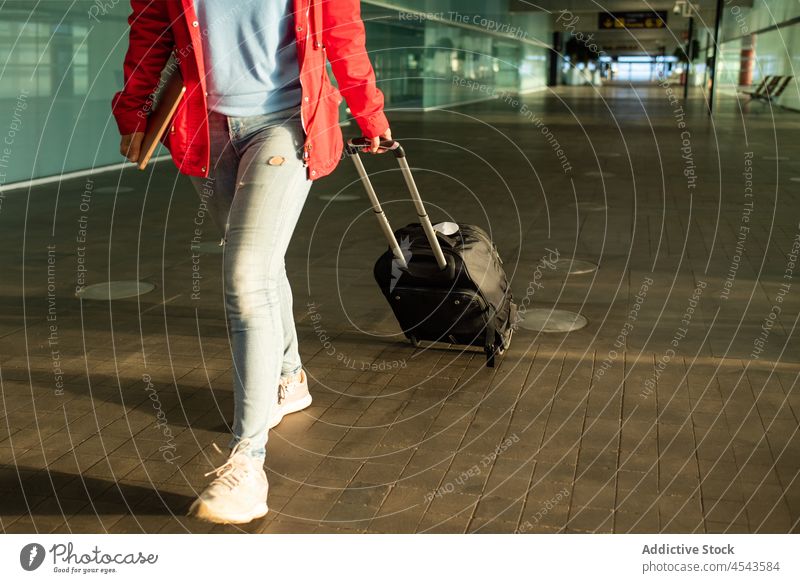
x,y
255,191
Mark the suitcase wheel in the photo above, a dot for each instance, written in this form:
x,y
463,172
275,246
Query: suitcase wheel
x,y
414,341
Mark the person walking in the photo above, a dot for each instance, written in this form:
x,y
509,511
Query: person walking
x,y
258,123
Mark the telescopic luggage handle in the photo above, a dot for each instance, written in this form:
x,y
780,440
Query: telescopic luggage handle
x,y
352,149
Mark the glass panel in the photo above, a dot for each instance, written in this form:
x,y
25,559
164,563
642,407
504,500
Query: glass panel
x,y
61,70
776,51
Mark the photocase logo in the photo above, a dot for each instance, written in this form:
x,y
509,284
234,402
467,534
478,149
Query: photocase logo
x,y
31,556
397,270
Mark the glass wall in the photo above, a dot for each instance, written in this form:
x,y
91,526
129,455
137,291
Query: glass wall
x,y
464,63
430,54
62,62
775,42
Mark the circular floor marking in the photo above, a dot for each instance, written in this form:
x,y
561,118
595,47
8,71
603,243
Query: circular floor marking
x,y
598,174
549,320
209,247
113,189
115,290
589,206
573,266
339,197
795,179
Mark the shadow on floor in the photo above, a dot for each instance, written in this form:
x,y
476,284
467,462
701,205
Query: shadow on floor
x,y
26,490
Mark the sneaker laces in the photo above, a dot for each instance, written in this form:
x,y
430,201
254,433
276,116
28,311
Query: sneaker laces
x,y
282,390
286,385
230,473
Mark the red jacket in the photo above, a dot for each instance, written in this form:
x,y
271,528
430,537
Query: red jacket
x,y
324,28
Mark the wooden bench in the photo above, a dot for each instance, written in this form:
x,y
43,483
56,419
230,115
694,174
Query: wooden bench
x,y
760,87
770,88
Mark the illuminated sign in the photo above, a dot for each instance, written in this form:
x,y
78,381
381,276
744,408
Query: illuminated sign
x,y
632,20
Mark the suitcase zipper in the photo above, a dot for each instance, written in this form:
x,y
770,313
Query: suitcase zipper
x,y
457,294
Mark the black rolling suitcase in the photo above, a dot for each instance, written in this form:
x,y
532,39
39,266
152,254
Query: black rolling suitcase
x,y
443,285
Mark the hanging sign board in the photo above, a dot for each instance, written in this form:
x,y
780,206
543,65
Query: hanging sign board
x,y
632,20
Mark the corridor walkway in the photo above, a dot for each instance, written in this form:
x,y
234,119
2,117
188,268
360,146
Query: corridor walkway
x,y
675,409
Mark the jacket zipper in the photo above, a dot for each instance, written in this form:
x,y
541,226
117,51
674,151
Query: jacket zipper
x,y
306,147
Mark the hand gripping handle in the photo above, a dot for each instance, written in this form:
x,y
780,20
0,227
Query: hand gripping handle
x,y
355,145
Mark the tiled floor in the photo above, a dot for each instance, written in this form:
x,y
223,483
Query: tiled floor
x,y
655,417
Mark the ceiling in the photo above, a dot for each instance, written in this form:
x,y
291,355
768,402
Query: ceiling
x,y
585,15
612,42
707,6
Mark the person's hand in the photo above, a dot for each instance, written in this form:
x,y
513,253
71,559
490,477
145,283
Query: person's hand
x,y
130,145
375,143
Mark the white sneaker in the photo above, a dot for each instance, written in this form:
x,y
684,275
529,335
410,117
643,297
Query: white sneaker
x,y
239,492
293,396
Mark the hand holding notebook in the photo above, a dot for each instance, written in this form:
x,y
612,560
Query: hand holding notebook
x,y
161,115
140,146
